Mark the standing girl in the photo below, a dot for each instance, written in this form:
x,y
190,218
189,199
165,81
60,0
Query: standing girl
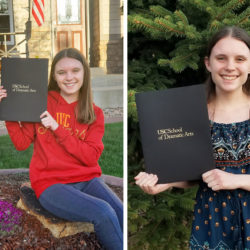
x,y
222,210
64,169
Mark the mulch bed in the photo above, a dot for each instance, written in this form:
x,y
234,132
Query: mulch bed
x,y
30,234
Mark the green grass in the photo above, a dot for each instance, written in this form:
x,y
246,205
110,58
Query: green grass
x,y
10,157
111,160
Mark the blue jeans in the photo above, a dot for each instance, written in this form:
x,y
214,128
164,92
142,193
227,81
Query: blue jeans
x,y
91,201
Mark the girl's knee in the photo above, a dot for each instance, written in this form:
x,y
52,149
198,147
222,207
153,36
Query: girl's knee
x,y
106,213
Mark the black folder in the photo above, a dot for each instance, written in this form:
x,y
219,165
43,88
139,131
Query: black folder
x,y
26,82
175,133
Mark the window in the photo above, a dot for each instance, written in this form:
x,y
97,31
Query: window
x,y
6,20
68,12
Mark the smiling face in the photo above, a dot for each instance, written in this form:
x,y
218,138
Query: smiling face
x,y
69,76
229,64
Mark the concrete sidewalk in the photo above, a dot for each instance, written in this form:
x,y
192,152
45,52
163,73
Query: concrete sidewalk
x,y
3,130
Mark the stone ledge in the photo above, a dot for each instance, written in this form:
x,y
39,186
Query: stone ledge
x,y
58,227
14,171
109,179
112,180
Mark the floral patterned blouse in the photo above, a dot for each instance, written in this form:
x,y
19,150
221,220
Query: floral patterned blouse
x,y
222,218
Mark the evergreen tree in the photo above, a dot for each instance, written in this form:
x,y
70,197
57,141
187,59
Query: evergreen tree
x,y
166,47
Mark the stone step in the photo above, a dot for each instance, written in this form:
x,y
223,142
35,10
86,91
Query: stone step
x,y
112,98
107,90
112,80
97,71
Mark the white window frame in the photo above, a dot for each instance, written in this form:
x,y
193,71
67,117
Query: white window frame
x,y
10,13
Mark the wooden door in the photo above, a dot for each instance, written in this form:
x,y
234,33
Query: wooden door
x,y
71,25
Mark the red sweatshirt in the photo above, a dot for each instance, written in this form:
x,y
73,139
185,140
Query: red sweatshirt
x,y
67,155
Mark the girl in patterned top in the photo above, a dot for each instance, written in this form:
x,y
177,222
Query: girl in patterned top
x,y
222,209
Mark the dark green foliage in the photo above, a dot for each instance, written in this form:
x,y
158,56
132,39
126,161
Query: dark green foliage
x,y
166,48
158,222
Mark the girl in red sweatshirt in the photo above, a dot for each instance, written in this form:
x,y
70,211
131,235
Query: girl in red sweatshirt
x,y
64,169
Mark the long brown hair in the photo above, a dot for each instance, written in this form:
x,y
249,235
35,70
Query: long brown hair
x,y
228,31
84,109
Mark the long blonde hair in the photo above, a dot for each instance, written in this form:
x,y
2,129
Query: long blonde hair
x,y
84,109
